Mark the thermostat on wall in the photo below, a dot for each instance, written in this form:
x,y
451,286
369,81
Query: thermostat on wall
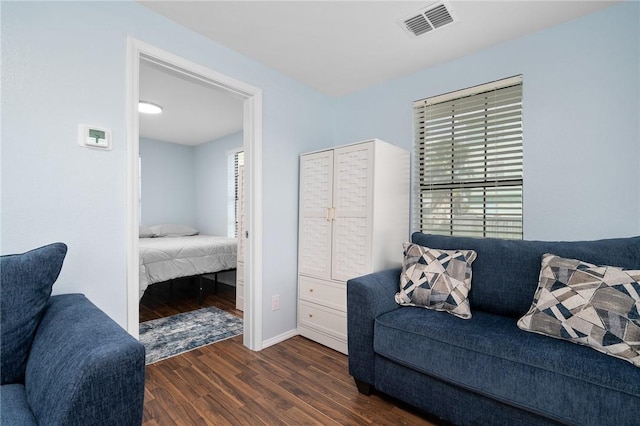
x,y
94,137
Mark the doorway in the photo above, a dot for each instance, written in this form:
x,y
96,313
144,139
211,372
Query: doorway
x,y
251,97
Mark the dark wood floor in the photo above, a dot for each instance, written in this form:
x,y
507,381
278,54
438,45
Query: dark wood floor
x,y
296,382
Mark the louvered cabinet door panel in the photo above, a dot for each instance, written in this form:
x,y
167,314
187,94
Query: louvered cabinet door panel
x,y
351,254
240,231
315,247
353,197
316,194
240,286
240,225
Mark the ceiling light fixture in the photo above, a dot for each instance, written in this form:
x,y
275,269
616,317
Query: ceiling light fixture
x,y
149,108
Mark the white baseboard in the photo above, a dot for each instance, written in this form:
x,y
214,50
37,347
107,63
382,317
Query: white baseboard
x,y
280,338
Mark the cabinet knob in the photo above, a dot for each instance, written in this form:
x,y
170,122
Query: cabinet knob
x,y
310,290
310,315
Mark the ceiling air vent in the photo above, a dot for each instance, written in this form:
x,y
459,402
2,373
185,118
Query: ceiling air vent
x,y
433,17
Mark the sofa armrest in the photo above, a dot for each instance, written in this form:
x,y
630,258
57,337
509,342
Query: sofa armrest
x,y
83,368
368,297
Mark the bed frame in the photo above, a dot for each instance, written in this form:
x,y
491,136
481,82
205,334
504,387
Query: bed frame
x,y
201,279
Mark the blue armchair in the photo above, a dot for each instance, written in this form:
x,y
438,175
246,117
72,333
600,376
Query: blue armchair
x,y
64,361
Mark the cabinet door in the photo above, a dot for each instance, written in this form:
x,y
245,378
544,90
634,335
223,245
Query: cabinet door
x,y
240,225
240,230
316,194
352,200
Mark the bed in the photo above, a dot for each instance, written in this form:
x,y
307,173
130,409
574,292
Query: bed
x,y
168,257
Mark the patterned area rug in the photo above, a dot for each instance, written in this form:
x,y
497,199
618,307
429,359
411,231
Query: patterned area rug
x,y
170,336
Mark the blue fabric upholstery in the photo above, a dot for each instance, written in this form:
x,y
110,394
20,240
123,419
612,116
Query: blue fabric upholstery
x,y
485,370
447,401
368,298
84,368
26,281
81,367
505,273
14,406
567,382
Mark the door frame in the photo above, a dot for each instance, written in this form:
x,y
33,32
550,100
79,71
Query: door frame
x,y
252,100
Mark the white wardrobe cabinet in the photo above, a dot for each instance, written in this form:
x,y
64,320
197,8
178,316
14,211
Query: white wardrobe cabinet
x,y
353,218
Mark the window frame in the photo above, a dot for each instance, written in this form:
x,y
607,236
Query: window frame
x,y
442,120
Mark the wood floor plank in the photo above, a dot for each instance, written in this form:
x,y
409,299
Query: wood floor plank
x,y
296,382
280,385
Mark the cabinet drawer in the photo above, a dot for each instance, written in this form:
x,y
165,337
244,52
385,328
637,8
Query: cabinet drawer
x,y
323,319
327,293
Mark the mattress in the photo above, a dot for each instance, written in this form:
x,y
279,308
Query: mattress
x,y
163,259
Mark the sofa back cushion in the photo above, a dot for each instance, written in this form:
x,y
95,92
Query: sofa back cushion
x,y
25,287
506,272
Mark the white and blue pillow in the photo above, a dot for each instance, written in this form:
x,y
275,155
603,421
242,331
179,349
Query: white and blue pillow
x,y
436,279
595,306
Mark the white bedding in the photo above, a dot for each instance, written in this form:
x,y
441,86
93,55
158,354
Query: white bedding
x,y
163,259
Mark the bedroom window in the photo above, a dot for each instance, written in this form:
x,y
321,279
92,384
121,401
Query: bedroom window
x,y
468,152
235,159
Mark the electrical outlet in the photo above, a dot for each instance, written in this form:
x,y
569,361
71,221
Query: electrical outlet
x,y
275,302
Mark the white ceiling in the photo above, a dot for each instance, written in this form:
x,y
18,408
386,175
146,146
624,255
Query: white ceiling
x,y
192,112
340,47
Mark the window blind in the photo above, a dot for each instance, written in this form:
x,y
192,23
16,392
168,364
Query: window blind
x,y
469,168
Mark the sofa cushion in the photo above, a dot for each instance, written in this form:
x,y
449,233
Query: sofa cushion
x,y
436,279
14,409
591,305
490,355
26,286
505,273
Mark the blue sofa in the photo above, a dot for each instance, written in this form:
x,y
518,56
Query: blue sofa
x,y
64,361
485,370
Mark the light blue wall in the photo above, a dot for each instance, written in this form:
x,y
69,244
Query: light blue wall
x,y
58,73
212,183
168,183
581,120
581,173
187,184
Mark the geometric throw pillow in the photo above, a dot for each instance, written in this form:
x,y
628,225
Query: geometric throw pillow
x,y
436,279
25,287
595,306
